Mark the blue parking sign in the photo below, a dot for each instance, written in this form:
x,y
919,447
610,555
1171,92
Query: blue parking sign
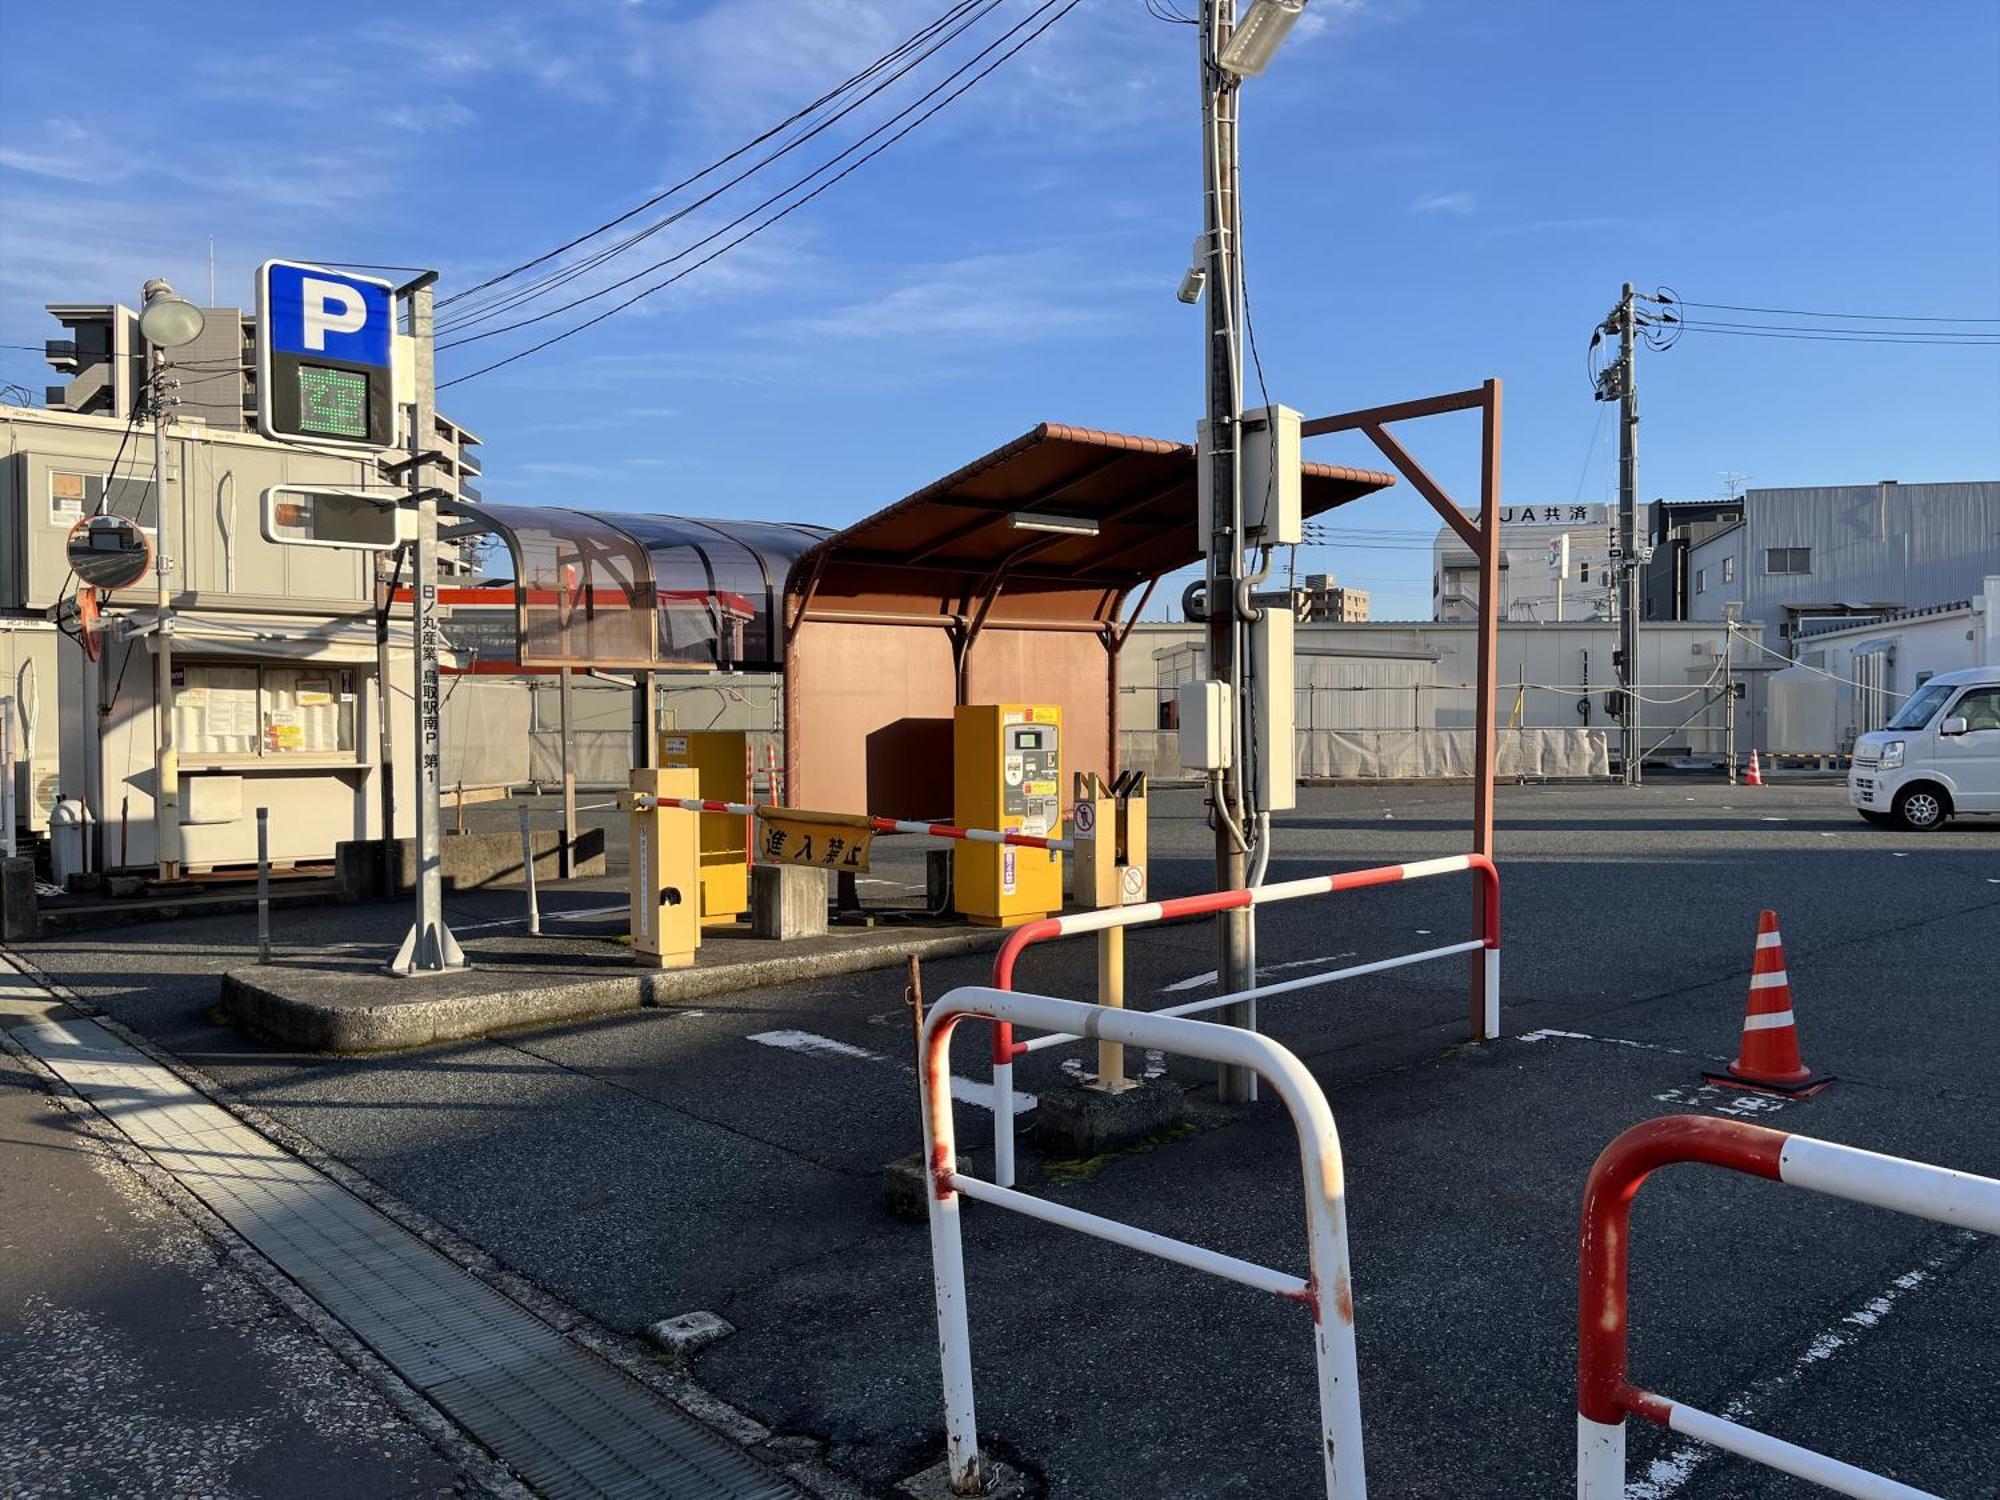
x,y
325,356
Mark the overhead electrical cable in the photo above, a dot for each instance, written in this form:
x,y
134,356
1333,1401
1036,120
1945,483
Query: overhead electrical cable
x,y
789,188
916,39
1046,19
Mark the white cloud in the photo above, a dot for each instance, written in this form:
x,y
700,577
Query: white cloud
x,y
69,151
1459,202
434,114
982,299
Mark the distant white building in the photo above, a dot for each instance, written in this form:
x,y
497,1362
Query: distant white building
x,y
1828,553
1528,584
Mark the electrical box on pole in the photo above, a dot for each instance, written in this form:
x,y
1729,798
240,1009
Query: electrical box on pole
x,y
1270,479
325,356
1270,780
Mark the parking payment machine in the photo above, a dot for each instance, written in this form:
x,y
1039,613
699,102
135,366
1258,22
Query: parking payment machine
x,y
721,758
1007,775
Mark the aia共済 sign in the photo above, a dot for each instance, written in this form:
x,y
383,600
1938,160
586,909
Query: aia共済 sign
x,y
325,356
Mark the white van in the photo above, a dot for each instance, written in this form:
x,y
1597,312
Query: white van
x,y
1939,757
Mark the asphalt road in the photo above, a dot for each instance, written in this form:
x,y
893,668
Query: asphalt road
x,y
666,1161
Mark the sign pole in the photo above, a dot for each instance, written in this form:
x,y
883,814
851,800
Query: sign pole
x,y
429,948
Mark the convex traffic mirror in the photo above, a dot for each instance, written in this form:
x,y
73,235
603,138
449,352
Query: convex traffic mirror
x,y
108,552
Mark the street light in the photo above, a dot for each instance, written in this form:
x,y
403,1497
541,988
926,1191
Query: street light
x,y
1259,35
169,320
166,321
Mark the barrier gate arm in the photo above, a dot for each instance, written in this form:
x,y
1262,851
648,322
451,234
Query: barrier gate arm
x,y
880,825
1006,1049
1328,1290
1604,1395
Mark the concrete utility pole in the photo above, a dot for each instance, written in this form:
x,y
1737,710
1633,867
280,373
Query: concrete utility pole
x,y
1222,372
166,758
1628,540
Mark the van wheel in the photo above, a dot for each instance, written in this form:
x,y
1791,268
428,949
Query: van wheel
x,y
1920,809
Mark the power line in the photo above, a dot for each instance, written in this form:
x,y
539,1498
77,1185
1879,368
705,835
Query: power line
x,y
1794,312
1918,335
521,296
756,229
1855,337
778,196
915,39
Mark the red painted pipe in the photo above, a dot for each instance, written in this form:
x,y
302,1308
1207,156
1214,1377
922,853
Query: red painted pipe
x,y
1604,1243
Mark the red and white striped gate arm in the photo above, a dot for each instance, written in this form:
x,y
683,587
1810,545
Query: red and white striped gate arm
x,y
1006,1049
878,825
1327,1290
1604,1396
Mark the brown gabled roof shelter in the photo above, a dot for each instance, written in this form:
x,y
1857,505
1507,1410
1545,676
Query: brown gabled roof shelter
x,y
946,598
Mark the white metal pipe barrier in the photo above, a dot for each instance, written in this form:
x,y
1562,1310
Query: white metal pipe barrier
x,y
1006,1049
1327,1290
1604,1394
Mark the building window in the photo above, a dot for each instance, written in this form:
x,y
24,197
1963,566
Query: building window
x,y
1701,580
1583,572
1729,570
1788,559
263,711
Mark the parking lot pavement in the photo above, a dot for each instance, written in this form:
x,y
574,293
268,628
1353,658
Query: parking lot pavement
x,y
724,1156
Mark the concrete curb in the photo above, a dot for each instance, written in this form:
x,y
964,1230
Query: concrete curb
x,y
258,997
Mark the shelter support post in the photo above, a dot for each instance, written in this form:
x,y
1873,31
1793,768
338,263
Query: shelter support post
x,y
645,721
1484,1004
565,732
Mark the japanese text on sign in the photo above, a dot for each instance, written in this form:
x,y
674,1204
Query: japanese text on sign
x,y
823,845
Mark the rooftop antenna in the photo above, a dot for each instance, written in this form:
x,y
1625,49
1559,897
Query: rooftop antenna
x,y
211,270
1734,482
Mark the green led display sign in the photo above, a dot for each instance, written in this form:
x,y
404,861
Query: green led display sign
x,y
333,403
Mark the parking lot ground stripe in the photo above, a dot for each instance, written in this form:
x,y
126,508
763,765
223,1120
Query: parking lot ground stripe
x,y
1668,1476
566,1421
811,1043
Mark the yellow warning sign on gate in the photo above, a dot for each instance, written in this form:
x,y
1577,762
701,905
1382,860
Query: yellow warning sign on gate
x,y
826,841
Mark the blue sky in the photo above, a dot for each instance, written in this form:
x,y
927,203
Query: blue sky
x,y
1436,191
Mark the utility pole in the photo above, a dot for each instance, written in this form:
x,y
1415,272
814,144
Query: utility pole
x,y
1222,373
1729,689
1628,539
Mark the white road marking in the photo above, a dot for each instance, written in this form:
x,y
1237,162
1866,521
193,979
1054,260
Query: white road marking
x,y
1549,1033
1666,1477
1208,976
811,1043
1739,1104
586,914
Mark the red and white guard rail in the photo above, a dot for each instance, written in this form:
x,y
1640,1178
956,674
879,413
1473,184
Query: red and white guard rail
x,y
877,825
1326,1290
1604,1395
1006,1049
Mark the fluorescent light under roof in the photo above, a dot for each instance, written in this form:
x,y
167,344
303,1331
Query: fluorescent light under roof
x,y
1028,520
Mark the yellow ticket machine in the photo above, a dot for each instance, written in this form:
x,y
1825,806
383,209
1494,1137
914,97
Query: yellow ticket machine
x,y
1007,775
665,878
721,759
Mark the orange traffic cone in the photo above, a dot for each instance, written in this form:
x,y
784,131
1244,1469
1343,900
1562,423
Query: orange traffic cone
x,y
1755,775
1768,1057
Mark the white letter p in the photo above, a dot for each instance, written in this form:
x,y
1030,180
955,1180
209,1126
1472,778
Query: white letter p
x,y
330,306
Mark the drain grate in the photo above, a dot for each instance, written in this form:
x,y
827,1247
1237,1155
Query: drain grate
x,y
566,1421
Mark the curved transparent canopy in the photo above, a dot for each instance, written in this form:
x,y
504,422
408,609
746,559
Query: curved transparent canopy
x,y
611,589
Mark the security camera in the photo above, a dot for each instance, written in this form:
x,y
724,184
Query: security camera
x,y
1191,285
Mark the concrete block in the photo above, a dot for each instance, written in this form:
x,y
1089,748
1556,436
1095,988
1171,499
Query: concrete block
x,y
357,871
19,916
787,901
467,861
1079,1121
690,1333
124,887
906,1185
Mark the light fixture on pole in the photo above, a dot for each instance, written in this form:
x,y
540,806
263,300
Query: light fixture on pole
x,y
167,321
1259,35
